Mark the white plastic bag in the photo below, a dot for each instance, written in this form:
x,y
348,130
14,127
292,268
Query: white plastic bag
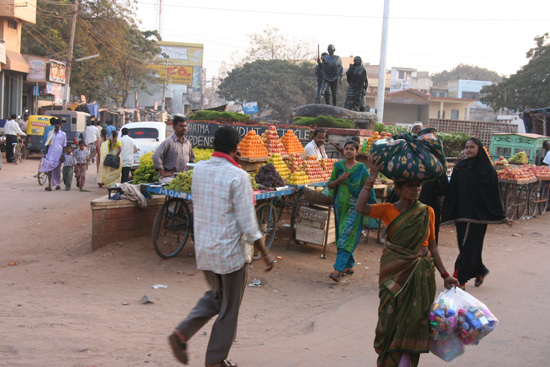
x,y
448,349
475,320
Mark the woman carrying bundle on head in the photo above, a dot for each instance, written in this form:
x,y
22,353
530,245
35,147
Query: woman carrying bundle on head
x,y
347,179
406,281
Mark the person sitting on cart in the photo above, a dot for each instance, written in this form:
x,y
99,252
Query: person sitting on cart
x,y
316,147
173,154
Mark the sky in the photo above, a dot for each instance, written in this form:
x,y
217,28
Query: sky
x,y
429,35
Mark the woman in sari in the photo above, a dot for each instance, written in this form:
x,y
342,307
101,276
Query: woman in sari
x,y
473,202
109,175
406,281
347,179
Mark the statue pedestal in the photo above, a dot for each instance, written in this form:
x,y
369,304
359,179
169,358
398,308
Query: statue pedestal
x,y
363,120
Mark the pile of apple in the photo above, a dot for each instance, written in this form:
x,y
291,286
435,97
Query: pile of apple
x,y
272,142
252,146
538,171
295,163
502,162
518,174
280,165
292,143
328,164
314,171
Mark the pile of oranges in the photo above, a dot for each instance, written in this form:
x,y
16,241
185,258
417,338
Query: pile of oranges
x,y
292,143
252,146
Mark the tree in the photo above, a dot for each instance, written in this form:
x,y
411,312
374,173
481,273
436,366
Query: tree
x,y
529,87
271,44
278,85
104,27
468,72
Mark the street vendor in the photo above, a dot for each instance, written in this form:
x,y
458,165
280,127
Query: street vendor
x,y
175,153
546,156
316,147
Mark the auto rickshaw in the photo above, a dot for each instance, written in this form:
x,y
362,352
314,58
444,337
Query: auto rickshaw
x,y
35,132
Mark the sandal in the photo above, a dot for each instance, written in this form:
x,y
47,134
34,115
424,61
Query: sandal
x,y
479,280
48,188
224,363
348,271
336,276
179,348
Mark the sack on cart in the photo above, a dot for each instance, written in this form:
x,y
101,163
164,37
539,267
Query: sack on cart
x,y
411,158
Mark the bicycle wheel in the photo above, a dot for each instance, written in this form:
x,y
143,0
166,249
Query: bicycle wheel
x,y
522,201
172,226
42,177
543,197
511,202
24,153
267,221
17,153
532,206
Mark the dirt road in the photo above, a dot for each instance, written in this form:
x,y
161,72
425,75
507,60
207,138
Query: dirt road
x,y
63,304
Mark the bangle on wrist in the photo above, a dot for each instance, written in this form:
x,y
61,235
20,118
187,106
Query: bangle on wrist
x,y
445,275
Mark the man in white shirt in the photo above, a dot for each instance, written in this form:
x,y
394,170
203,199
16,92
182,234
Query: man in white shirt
x,y
22,122
129,147
546,157
11,130
223,219
91,137
316,147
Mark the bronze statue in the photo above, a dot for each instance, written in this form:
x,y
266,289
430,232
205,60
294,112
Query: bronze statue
x,y
319,77
331,67
357,85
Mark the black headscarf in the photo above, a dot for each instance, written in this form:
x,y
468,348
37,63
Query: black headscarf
x,y
474,195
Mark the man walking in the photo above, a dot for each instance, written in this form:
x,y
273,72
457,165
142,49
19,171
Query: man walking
x,y
129,147
92,135
223,216
11,130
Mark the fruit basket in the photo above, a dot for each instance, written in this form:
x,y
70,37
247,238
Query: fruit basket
x,y
314,194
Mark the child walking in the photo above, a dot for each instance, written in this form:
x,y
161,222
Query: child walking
x,y
82,155
68,165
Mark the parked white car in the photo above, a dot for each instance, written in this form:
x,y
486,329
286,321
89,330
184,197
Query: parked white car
x,y
148,136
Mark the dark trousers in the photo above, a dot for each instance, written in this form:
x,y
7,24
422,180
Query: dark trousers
x,y
469,263
223,299
125,174
333,89
10,139
68,177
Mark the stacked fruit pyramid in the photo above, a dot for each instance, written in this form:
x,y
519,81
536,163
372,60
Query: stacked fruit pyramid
x,y
272,142
252,146
314,171
328,164
280,165
298,178
292,143
295,163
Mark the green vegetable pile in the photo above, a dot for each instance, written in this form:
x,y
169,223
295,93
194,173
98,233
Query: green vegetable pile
x,y
324,121
146,172
219,116
182,182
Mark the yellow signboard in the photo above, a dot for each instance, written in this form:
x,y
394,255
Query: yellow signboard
x,y
186,54
174,74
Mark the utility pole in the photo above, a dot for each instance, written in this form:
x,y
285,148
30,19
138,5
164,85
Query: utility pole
x,y
66,93
382,74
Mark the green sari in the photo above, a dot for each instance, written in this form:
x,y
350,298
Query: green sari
x,y
349,223
407,290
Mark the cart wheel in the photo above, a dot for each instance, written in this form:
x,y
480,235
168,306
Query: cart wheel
x,y
267,221
511,201
531,204
172,227
543,196
522,201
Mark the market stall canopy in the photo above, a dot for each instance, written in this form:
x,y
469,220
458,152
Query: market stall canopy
x,y
16,62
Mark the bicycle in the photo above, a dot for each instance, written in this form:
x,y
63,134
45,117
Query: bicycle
x,y
41,176
19,151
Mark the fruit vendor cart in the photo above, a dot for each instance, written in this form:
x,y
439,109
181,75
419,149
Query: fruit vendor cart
x,y
508,144
519,197
174,221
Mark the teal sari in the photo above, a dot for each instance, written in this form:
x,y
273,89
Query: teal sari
x,y
349,223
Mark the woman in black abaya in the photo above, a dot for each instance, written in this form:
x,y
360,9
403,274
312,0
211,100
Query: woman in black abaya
x,y
472,203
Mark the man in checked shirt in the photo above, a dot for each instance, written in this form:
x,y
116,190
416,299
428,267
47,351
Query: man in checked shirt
x,y
223,219
173,154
